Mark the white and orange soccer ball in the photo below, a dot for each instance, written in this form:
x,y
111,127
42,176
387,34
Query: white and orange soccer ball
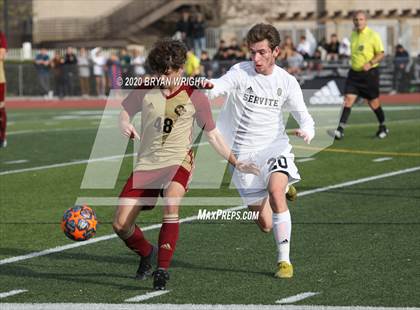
x,y
79,223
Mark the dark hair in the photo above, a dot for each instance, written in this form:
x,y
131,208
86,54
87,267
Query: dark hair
x,y
167,54
261,32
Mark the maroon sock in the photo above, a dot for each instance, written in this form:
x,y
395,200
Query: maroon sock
x,y
167,240
138,243
3,123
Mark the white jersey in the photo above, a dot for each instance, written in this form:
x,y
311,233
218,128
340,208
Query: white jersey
x,y
252,117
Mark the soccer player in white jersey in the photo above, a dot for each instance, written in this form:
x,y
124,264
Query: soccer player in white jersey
x,y
252,120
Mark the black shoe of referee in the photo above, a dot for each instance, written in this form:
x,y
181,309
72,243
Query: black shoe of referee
x,y
382,132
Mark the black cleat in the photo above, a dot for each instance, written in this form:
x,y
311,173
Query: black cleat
x,y
160,276
145,267
382,132
3,143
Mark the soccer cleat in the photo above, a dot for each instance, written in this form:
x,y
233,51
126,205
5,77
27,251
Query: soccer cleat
x,y
160,277
285,270
3,143
291,194
382,132
337,134
145,267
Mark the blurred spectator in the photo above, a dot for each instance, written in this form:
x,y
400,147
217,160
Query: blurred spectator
x,y
206,66
286,49
183,26
125,61
315,63
138,63
240,55
99,62
401,61
70,71
84,72
234,45
417,68
42,64
294,63
198,31
332,48
220,50
344,50
114,72
192,64
58,70
244,49
304,47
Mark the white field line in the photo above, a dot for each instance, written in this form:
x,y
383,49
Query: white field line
x,y
69,306
380,159
71,163
22,132
303,160
77,162
19,161
146,296
11,293
295,298
192,218
94,240
359,181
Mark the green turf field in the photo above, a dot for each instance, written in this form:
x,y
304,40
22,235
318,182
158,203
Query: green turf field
x,y
356,244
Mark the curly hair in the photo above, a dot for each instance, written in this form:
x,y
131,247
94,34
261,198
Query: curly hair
x,y
167,54
260,32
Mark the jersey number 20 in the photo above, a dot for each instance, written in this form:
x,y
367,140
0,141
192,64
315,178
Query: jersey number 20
x,y
275,163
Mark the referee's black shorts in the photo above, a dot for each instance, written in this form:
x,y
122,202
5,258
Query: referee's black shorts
x,y
363,83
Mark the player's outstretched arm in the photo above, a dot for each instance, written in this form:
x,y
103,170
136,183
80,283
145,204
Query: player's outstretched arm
x,y
216,140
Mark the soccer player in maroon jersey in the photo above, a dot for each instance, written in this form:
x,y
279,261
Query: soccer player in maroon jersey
x,y
165,159
3,117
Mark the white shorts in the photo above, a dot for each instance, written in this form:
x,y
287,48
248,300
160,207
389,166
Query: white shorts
x,y
253,188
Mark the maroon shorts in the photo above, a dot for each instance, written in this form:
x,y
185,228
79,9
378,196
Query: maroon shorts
x,y
149,183
2,91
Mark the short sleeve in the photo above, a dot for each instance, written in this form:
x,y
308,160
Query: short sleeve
x,y
134,101
377,44
203,114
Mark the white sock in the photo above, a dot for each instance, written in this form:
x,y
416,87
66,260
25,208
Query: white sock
x,y
282,229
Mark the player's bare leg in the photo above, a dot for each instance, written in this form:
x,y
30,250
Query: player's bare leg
x,y
265,216
282,224
169,233
125,227
375,105
349,100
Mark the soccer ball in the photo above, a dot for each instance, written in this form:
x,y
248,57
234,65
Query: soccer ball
x,y
79,223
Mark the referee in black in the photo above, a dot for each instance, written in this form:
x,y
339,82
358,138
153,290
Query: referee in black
x,y
363,79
